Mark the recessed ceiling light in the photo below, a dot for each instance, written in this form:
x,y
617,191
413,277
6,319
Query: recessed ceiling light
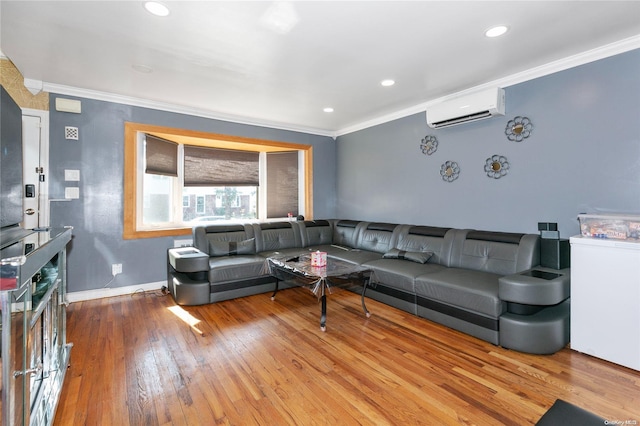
x,y
496,31
387,83
280,17
328,109
156,8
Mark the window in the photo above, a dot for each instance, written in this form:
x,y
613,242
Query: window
x,y
282,184
200,204
176,178
225,177
157,198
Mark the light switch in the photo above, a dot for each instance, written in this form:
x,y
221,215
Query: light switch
x,y
72,175
72,192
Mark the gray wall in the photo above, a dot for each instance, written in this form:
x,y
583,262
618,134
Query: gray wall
x,y
97,217
583,156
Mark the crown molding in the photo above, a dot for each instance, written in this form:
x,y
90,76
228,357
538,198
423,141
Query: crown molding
x,y
179,109
592,55
33,86
573,61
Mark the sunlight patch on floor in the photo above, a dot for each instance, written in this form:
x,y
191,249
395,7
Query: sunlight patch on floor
x,y
186,317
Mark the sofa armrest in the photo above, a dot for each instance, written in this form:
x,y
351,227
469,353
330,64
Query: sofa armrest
x,y
188,259
536,286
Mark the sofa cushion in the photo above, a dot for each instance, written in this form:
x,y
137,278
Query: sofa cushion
x,y
495,252
399,273
413,256
230,268
353,255
275,236
331,249
316,232
232,248
345,233
476,291
428,238
293,252
377,237
203,235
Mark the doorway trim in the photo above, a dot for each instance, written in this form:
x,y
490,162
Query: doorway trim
x,y
43,201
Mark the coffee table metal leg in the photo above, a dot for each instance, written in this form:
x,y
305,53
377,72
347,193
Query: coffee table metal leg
x,y
323,313
273,296
364,290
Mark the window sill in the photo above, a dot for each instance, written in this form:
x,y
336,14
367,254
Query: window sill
x,y
155,233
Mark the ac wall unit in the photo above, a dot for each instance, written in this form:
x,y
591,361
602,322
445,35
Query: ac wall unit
x,y
467,108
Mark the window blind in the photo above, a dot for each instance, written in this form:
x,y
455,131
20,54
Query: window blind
x,y
161,156
282,184
205,166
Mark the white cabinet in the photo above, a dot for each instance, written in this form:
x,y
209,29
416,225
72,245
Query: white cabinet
x,y
605,299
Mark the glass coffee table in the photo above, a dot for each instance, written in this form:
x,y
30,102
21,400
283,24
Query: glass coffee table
x,y
297,268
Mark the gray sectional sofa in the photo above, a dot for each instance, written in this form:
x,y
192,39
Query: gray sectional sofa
x,y
486,284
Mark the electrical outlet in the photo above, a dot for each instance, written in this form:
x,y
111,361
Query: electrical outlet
x,y
183,243
116,269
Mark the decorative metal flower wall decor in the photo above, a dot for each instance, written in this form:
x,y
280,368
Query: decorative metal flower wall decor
x,y
429,145
449,171
496,166
518,129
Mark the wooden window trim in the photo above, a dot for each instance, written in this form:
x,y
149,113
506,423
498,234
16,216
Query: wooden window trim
x,y
195,138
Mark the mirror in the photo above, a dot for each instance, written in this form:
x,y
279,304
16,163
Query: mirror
x,y
429,145
449,171
496,166
518,128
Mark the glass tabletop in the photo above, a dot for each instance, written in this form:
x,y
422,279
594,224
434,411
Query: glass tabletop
x,y
301,264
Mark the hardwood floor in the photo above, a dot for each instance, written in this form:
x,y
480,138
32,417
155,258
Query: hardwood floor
x,y
143,360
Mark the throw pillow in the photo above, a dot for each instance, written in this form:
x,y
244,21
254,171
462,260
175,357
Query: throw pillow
x,y
413,256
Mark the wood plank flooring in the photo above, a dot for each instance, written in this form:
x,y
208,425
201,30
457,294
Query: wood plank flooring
x,y
143,360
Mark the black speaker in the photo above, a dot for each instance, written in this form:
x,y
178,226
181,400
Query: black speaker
x,y
547,226
548,230
555,254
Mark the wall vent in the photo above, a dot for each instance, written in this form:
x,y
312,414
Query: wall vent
x,y
71,133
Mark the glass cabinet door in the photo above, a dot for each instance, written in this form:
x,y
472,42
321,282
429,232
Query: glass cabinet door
x,y
34,352
12,394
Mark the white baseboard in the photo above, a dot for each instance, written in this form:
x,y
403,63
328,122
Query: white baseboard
x,y
80,296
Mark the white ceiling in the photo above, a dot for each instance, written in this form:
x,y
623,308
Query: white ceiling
x,y
224,59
